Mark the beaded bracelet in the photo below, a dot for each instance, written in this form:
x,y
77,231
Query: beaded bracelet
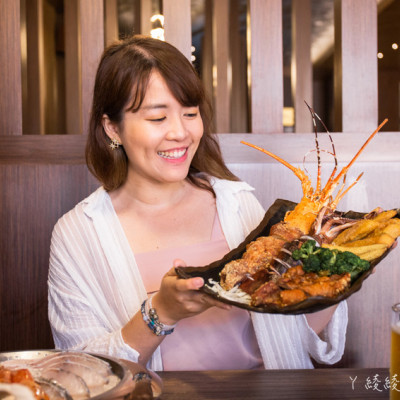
x,y
150,317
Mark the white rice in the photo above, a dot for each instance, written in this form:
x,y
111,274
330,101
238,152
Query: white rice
x,y
234,294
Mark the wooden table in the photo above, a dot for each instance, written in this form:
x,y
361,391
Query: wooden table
x,y
276,384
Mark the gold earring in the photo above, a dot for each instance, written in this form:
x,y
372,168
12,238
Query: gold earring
x,y
114,144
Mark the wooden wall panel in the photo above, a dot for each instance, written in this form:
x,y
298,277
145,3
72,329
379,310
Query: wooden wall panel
x,y
384,147
356,65
73,99
178,25
146,11
266,66
92,45
301,65
45,149
207,51
34,121
111,21
10,69
238,90
33,197
222,67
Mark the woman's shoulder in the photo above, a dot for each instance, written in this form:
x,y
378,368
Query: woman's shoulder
x,y
219,184
234,194
238,209
233,191
83,210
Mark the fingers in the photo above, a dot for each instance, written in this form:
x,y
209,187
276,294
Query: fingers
x,y
171,272
179,263
187,291
190,284
185,284
207,301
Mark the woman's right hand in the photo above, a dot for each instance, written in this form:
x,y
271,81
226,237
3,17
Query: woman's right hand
x,y
180,298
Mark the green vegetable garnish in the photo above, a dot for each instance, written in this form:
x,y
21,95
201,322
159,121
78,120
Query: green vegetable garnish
x,y
328,262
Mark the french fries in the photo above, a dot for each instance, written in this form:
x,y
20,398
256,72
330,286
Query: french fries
x,y
358,231
368,252
385,215
369,238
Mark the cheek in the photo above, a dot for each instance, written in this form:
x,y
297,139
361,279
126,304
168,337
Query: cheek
x,y
199,131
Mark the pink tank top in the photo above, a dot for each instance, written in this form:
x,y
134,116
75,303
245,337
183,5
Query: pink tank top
x,y
215,339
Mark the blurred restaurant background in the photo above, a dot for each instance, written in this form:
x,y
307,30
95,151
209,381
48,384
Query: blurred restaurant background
x,y
260,60
50,56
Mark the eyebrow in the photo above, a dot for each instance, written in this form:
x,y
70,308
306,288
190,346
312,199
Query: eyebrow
x,y
154,106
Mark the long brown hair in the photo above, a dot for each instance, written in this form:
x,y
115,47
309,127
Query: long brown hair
x,y
121,81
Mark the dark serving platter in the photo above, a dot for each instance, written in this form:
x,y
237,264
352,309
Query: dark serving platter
x,y
274,214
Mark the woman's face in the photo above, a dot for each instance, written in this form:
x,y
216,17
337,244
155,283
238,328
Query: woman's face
x,y
161,138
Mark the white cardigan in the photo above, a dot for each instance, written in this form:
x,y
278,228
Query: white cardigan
x,y
95,287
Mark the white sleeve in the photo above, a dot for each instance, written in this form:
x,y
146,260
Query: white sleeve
x,y
78,319
251,210
328,350
238,209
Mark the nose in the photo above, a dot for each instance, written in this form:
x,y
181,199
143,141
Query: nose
x,y
177,129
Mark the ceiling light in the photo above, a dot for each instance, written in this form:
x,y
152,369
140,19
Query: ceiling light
x,y
288,116
157,17
157,33
395,46
380,55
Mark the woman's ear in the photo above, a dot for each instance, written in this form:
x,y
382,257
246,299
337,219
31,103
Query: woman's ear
x,y
111,129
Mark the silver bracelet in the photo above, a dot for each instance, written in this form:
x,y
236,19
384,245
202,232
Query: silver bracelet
x,y
151,319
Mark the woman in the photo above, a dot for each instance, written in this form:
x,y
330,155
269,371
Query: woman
x,y
166,193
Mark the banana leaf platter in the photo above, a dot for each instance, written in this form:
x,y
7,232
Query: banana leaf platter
x,y
273,215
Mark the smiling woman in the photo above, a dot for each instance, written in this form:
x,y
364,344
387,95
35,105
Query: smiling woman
x,y
167,200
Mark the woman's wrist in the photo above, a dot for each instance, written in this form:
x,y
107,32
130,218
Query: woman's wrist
x,y
161,310
152,320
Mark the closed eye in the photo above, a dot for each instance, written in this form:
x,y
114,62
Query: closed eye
x,y
191,115
157,119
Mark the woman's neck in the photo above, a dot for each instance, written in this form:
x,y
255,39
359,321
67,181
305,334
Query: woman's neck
x,y
148,195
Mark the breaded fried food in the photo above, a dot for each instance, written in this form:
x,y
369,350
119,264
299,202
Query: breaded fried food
x,y
268,293
292,296
358,231
233,273
328,286
296,285
258,255
263,249
286,232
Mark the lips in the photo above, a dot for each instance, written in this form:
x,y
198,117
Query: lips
x,y
173,154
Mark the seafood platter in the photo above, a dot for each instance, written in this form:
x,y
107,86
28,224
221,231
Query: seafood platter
x,y
73,375
305,256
